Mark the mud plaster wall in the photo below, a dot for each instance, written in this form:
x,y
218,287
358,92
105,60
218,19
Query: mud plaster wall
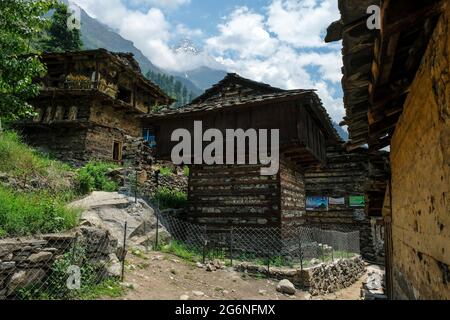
x,y
420,155
108,124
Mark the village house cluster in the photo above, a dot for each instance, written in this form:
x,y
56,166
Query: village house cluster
x,y
396,94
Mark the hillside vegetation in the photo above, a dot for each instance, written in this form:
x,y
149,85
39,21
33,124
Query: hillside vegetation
x,y
34,189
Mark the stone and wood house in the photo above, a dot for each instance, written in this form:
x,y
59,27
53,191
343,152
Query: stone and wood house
x,y
345,181
89,103
397,93
223,195
312,162
92,102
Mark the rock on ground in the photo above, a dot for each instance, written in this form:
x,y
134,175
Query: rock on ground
x,y
285,286
374,285
110,211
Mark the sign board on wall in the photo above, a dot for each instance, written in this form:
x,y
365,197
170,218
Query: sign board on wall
x,y
357,201
336,201
316,203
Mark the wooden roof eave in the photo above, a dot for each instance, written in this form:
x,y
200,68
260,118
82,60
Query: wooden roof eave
x,y
386,86
161,95
228,108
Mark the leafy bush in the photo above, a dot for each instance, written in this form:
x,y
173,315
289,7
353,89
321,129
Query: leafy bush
x,y
31,213
171,198
166,171
93,177
186,171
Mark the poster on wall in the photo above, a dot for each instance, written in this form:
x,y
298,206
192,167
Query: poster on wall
x,y
357,201
316,203
336,201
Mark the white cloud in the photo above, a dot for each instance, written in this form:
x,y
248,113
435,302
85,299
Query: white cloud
x,y
163,4
282,45
283,48
150,31
301,23
187,32
244,33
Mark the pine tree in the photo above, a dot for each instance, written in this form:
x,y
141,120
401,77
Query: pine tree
x,y
59,37
172,87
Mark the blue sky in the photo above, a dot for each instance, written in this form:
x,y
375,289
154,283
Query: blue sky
x,y
279,42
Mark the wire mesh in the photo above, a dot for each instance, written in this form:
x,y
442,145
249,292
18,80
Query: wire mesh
x,y
59,267
288,245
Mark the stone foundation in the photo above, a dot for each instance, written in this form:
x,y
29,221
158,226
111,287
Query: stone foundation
x,y
26,263
318,280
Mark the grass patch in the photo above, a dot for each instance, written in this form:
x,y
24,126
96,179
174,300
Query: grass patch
x,y
93,177
139,254
170,198
25,164
108,289
24,214
182,251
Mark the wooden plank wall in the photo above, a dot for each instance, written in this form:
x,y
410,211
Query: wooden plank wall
x,y
282,116
346,174
311,136
292,187
224,196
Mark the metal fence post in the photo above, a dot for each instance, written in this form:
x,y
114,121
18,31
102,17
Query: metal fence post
x,y
322,252
205,243
157,231
135,186
300,249
268,265
231,246
124,250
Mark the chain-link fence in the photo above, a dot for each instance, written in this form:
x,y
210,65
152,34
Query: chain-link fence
x,y
60,267
286,246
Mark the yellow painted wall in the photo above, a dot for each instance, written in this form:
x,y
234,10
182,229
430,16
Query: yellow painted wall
x,y
420,155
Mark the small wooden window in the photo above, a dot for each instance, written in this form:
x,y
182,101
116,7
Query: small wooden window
x,y
117,151
124,95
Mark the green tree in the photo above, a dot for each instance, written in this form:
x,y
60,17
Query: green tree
x,y
21,23
59,37
172,87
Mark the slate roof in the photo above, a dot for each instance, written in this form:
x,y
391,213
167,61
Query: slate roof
x,y
236,92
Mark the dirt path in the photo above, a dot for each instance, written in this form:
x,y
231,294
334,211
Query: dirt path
x,y
159,276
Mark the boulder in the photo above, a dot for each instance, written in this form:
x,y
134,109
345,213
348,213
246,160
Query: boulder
x,y
285,286
110,211
25,278
114,266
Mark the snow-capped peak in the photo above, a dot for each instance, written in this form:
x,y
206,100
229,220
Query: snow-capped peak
x,y
186,46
